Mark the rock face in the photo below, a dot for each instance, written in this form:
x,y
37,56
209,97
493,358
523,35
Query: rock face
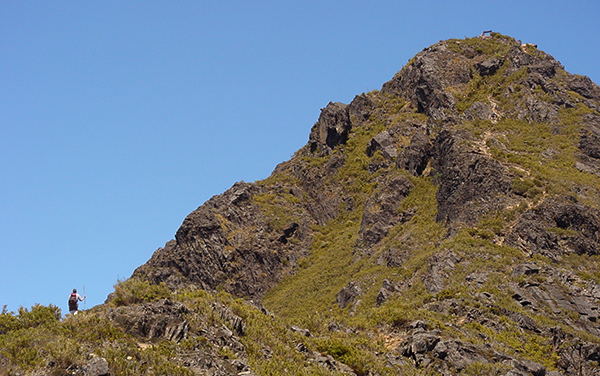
x,y
239,240
348,294
539,229
589,145
470,184
426,347
384,143
381,211
424,81
332,128
447,224
227,242
160,320
416,156
440,265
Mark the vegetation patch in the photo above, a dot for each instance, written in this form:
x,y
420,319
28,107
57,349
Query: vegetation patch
x,y
135,290
496,45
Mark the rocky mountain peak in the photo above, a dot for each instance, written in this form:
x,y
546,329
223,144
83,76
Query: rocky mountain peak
x,y
477,158
441,116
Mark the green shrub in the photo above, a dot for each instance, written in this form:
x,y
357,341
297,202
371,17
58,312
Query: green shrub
x,y
90,328
496,45
8,321
39,315
32,338
521,186
21,348
135,290
354,351
485,369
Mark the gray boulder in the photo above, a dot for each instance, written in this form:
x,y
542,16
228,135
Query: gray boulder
x,y
348,294
383,142
488,67
96,367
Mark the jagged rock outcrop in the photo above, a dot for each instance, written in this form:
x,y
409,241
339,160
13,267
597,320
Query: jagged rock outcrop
x,y
440,265
208,249
416,156
332,128
168,320
427,347
480,111
488,67
589,145
557,291
348,294
335,123
229,242
384,143
556,227
152,321
423,82
448,223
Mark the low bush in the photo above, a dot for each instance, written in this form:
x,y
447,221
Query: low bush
x,y
135,290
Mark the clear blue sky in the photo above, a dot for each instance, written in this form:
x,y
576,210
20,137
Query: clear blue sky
x,y
118,118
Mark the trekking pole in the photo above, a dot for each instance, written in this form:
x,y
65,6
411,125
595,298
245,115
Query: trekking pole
x,y
84,297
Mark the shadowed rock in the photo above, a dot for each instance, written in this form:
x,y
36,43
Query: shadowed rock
x,y
332,128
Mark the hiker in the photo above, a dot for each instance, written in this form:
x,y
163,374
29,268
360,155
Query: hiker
x,y
74,300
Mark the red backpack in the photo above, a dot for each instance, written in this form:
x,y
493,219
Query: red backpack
x,y
73,302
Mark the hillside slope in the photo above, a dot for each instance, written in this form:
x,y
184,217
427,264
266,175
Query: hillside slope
x,y
448,223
